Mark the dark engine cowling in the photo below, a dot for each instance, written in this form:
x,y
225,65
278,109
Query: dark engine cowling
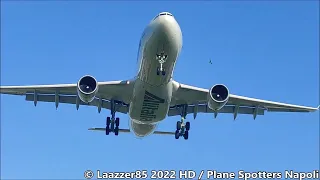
x,y
218,96
87,88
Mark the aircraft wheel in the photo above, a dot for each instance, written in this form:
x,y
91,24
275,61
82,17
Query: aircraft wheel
x,y
117,122
158,71
116,131
187,126
108,121
177,134
163,72
178,125
186,135
107,130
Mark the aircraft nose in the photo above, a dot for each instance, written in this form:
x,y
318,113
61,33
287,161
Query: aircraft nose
x,y
162,14
165,23
166,32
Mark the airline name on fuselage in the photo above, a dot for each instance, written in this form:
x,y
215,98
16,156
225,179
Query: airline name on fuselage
x,y
150,106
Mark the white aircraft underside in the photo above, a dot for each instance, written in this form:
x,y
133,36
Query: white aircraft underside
x,y
152,95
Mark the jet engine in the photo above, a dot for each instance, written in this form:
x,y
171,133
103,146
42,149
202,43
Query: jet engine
x,y
218,97
87,88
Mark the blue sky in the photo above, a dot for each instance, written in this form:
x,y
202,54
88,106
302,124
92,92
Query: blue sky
x,y
267,50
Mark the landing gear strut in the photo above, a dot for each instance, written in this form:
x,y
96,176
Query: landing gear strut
x,y
162,59
182,129
112,123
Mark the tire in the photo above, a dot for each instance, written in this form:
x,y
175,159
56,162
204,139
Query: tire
x,y
116,131
186,135
107,130
108,121
187,126
178,126
176,134
117,122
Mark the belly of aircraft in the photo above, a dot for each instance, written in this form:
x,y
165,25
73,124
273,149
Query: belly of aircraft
x,y
148,108
150,104
141,130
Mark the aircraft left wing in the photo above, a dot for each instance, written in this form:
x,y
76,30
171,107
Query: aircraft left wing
x,y
196,100
119,91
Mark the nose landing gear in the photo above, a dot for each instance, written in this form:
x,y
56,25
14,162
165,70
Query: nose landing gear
x,y
162,59
161,70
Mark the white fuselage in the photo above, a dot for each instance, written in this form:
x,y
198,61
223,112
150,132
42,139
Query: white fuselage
x,y
152,92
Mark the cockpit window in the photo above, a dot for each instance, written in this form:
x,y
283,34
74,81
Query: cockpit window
x,y
163,13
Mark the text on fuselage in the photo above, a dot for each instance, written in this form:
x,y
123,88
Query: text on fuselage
x,y
150,106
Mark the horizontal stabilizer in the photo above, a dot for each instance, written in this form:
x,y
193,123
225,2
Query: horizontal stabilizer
x,y
128,130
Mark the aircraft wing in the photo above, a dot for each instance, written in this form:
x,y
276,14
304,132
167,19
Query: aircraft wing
x,y
120,91
196,99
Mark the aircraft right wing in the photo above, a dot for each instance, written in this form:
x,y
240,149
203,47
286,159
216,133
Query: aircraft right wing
x,y
196,100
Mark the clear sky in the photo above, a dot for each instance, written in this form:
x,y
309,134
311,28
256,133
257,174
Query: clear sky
x,y
266,50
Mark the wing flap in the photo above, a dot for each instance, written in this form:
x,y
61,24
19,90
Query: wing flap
x,y
226,109
287,110
106,104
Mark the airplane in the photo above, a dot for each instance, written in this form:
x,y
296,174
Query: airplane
x,y
152,95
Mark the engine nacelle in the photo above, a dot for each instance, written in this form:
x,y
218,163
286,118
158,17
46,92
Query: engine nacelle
x,y
218,97
87,88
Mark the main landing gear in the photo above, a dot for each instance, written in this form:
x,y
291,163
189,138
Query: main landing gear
x,y
182,129
162,59
112,123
